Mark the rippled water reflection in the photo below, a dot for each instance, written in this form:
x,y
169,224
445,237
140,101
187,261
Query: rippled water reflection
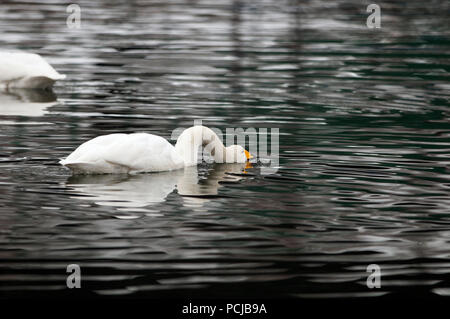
x,y
364,147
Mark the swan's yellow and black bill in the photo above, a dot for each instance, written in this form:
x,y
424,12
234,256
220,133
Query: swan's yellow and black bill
x,y
248,155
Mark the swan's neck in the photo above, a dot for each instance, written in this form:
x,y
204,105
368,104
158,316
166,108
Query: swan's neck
x,y
196,137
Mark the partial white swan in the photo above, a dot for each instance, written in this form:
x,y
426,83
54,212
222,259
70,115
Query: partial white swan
x,y
142,152
26,71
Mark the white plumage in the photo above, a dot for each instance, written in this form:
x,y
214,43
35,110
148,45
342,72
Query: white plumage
x,y
142,152
26,70
124,153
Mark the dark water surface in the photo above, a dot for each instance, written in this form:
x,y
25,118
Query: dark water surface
x,y
364,149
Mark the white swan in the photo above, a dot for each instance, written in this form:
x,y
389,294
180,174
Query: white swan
x,y
26,71
142,152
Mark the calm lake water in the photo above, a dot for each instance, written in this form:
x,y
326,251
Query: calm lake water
x,y
363,178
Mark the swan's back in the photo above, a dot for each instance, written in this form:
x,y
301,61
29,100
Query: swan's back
x,y
26,70
124,153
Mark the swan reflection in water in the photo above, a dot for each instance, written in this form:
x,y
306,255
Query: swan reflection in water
x,y
141,190
26,102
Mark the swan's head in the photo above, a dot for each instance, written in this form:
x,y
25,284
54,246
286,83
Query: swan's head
x,y
237,154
